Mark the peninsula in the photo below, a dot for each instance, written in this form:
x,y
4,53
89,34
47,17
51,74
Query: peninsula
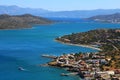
x,y
102,65
21,21
112,18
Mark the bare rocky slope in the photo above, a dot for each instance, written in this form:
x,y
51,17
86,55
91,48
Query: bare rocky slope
x,y
21,21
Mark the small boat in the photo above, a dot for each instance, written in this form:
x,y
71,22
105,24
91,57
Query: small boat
x,y
63,74
21,69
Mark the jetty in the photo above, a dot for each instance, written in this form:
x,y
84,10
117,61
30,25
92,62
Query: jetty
x,y
49,56
68,74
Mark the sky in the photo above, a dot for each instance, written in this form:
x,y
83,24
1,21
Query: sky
x,y
63,5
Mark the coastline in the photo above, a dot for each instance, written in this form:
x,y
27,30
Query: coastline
x,y
81,45
32,26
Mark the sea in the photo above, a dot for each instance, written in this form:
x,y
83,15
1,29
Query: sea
x,y
24,48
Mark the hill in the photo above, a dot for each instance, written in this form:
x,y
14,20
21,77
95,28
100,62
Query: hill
x,y
102,38
113,18
20,21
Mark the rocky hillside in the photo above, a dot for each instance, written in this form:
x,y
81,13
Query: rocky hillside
x,y
106,39
20,21
113,18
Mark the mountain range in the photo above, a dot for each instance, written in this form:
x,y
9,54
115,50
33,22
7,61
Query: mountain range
x,y
15,10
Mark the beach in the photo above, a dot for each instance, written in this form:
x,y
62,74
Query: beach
x,y
81,45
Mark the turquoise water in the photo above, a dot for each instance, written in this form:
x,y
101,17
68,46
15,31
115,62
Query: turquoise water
x,y
25,47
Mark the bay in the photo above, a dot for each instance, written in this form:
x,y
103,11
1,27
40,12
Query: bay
x,y
24,48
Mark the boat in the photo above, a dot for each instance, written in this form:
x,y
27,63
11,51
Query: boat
x,y
21,69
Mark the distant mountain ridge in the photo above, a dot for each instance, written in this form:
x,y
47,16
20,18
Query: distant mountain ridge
x,y
15,10
112,18
21,21
81,13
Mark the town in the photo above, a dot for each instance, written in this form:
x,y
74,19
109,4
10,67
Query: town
x,y
87,65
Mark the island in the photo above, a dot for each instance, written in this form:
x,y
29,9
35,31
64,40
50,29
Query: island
x,y
102,65
112,18
21,21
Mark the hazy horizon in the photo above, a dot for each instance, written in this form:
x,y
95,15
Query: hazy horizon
x,y
60,10
66,5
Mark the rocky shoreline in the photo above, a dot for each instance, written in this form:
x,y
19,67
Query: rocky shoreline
x,y
86,65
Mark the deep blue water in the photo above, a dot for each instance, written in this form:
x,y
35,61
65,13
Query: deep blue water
x,y
25,47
